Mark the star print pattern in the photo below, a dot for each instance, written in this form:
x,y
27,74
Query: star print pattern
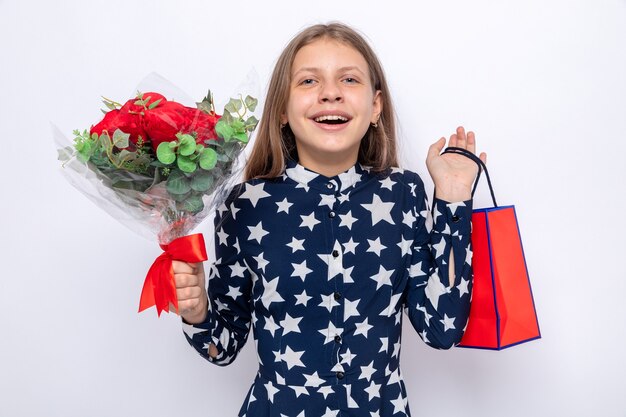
x,y
321,270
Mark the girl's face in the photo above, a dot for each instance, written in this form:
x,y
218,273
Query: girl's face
x,y
331,104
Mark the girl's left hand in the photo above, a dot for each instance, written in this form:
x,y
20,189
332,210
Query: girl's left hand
x,y
453,174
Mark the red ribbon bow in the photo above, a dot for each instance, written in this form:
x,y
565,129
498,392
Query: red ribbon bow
x,y
159,288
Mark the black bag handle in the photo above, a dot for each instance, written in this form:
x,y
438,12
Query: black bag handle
x,y
481,167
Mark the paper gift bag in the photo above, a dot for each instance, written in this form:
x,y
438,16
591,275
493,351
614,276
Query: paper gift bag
x,y
502,312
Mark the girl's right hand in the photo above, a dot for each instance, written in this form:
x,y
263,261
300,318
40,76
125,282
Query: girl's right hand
x,y
190,291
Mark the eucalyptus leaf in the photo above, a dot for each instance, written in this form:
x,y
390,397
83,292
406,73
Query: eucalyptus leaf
x,y
208,159
193,204
202,181
178,183
187,145
165,154
180,197
185,164
222,158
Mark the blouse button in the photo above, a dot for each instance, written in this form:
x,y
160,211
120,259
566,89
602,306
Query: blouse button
x,y
337,338
335,253
329,185
337,296
331,214
455,218
340,375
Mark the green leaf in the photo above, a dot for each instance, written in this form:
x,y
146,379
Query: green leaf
x,y
185,164
125,156
157,164
208,159
120,139
238,125
226,118
193,204
223,130
251,123
104,140
180,197
233,105
199,148
84,150
165,154
202,181
173,144
241,137
251,103
154,104
178,183
205,106
187,145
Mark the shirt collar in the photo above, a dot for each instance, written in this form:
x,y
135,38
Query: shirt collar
x,y
338,183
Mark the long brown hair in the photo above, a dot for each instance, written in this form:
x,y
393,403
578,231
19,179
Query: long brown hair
x,y
273,145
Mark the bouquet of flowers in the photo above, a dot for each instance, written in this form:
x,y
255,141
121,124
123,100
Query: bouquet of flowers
x,y
161,167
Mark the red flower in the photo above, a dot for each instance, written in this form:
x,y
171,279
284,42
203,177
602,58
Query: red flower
x,y
127,123
203,124
164,121
159,124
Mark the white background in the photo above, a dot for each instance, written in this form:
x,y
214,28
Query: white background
x,y
542,83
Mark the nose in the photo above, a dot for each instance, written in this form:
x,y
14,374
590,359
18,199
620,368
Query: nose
x,y
330,92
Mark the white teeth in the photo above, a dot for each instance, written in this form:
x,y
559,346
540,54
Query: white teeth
x,y
331,117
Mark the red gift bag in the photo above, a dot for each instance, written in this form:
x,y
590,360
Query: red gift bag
x,y
502,312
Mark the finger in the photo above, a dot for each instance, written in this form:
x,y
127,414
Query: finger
x,y
471,142
187,280
188,293
181,267
454,140
188,306
483,157
435,148
461,139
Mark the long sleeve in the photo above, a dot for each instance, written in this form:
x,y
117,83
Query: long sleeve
x,y
229,285
437,310
320,269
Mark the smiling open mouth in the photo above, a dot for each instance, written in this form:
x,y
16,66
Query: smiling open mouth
x,y
331,119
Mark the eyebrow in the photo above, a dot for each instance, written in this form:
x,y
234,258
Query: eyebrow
x,y
342,69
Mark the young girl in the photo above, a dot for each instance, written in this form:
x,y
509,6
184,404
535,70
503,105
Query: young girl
x,y
327,241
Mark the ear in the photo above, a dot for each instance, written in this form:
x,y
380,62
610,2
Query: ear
x,y
283,119
377,106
